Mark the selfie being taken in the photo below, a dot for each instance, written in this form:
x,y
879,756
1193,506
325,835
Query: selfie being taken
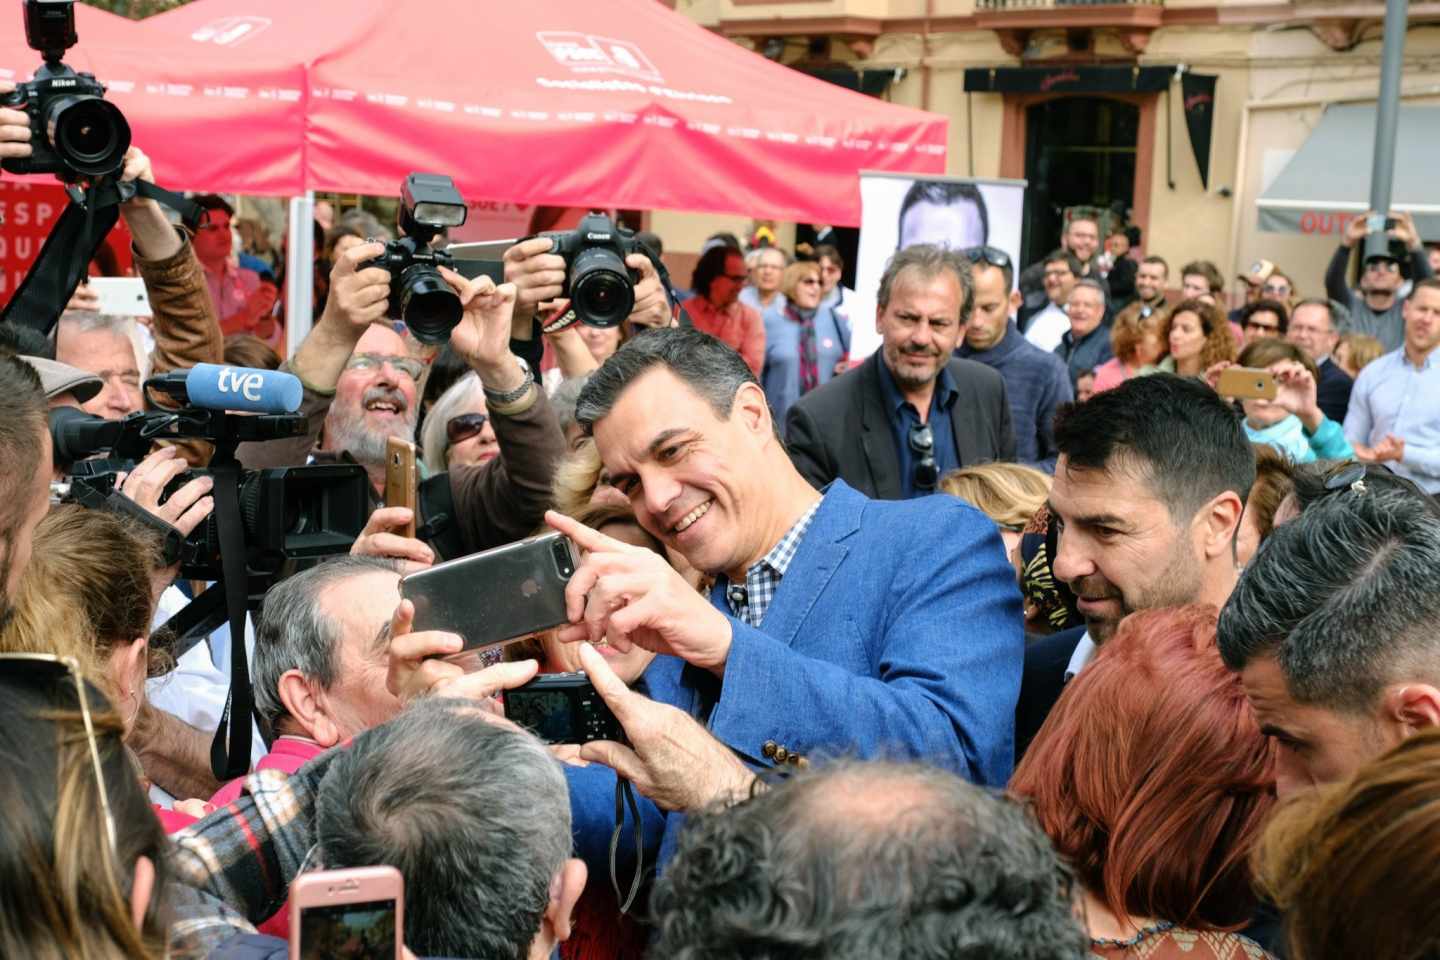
x,y
704,481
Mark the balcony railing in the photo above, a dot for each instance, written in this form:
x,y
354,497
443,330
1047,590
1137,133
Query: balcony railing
x,y
999,5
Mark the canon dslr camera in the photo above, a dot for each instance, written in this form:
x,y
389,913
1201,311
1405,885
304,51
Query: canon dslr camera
x,y
429,203
600,287
74,132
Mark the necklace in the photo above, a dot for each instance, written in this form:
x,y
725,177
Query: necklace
x,y
1144,934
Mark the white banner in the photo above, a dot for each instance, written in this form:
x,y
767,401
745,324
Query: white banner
x,y
897,211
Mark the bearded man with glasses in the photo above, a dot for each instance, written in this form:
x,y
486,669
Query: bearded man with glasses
x,y
913,410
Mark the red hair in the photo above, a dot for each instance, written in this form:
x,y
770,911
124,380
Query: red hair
x,y
1151,775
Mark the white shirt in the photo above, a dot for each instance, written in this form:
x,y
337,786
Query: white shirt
x,y
1047,328
1080,659
195,690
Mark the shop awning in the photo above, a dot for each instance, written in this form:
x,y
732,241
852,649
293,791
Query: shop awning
x,y
1328,179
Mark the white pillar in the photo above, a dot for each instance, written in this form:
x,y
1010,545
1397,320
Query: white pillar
x,y
299,271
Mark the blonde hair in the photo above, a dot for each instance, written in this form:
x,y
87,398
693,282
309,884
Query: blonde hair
x,y
86,590
1364,349
576,478
1008,493
796,272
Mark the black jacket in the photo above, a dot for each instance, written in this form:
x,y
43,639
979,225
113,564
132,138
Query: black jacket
x,y
842,430
1042,683
1333,391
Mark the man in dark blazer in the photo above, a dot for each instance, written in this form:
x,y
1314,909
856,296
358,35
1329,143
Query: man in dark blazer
x,y
1149,488
893,426
1313,329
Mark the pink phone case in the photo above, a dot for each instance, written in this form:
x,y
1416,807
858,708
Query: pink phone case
x,y
337,914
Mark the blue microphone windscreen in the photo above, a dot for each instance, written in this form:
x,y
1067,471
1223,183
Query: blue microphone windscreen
x,y
217,387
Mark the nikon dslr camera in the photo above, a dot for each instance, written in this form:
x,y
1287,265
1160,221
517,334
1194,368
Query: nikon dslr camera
x,y
429,203
74,132
600,287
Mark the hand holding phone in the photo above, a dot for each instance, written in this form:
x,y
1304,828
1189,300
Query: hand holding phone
x,y
356,914
563,708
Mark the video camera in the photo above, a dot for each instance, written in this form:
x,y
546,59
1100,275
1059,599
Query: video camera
x,y
75,133
429,203
600,287
286,513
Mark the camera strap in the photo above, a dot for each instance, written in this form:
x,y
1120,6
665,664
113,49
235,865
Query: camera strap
x,y
625,796
230,750
66,254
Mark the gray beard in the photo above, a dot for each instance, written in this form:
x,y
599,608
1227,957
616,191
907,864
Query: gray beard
x,y
346,430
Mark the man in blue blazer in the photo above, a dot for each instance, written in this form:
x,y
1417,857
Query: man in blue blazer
x,y
837,624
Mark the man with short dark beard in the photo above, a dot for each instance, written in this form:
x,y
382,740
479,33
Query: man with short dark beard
x,y
1149,489
891,427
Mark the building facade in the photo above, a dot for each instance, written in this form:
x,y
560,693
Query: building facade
x,y
1088,101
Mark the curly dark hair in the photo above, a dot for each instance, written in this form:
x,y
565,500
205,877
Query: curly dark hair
x,y
711,265
872,860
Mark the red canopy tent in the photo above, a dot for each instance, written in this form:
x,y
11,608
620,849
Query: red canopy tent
x,y
609,103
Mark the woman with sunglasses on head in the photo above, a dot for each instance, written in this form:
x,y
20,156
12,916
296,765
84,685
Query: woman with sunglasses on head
x,y
806,344
89,593
82,857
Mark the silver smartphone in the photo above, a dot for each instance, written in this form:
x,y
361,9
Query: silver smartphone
x,y
492,598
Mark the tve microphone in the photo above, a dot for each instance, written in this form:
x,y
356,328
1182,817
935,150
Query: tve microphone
x,y
216,387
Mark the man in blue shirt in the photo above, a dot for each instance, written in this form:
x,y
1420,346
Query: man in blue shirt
x,y
1395,407
892,426
1036,381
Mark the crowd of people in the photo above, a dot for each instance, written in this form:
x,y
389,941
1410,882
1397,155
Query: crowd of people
x,y
1019,638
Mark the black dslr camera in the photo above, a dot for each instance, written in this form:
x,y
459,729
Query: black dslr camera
x,y
74,132
600,287
563,708
429,203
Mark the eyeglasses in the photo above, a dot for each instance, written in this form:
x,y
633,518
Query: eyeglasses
x,y
1277,292
464,426
409,366
52,669
922,444
810,282
1264,327
987,254
736,278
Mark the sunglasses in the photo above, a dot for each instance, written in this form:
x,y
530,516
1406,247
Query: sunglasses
x,y
733,278
53,671
1267,327
810,282
464,426
922,444
988,254
409,366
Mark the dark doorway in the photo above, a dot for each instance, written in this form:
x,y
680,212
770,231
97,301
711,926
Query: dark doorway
x,y
1079,151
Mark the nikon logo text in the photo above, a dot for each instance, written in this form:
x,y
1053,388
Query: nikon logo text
x,y
246,385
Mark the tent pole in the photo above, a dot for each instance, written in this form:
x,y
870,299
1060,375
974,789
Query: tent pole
x,y
299,271
1387,120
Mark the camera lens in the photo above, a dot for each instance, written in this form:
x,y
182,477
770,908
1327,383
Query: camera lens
x,y
427,304
600,289
90,135
563,563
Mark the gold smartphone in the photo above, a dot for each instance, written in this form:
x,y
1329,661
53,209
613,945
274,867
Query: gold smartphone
x,y
401,478
1247,383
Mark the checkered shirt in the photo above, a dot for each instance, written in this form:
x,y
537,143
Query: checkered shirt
x,y
749,602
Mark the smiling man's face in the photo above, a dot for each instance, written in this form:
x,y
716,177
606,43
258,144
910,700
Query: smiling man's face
x,y
690,474
1120,550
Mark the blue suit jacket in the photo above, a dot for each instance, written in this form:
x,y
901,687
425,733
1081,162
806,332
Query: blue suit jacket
x,y
896,632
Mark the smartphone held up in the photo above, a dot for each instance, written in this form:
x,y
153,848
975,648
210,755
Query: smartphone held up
x,y
492,598
354,914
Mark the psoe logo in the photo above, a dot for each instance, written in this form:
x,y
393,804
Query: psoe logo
x,y
587,53
230,31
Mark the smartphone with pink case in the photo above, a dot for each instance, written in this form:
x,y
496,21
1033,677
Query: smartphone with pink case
x,y
356,914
